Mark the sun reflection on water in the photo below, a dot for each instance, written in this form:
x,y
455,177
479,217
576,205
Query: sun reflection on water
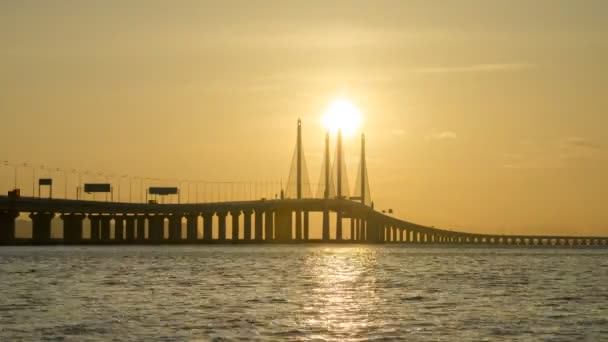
x,y
344,290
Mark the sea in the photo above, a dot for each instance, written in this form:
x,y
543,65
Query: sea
x,y
302,293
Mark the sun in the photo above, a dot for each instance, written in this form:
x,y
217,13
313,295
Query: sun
x,y
341,114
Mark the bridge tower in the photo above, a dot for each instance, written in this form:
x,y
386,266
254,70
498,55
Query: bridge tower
x,y
362,191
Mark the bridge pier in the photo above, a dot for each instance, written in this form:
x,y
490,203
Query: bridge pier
x,y
192,227
175,227
298,234
119,227
269,225
247,224
104,227
141,227
207,226
235,224
130,228
41,227
94,223
282,225
325,225
72,227
156,228
259,226
7,227
339,215
306,226
221,222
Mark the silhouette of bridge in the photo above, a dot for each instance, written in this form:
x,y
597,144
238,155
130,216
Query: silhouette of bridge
x,y
284,220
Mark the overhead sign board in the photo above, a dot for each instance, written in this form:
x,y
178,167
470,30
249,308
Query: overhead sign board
x,y
45,181
162,191
90,188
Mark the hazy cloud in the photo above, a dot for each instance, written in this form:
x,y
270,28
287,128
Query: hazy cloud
x,y
445,135
583,143
475,68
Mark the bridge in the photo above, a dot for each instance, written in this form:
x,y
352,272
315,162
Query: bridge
x,y
283,220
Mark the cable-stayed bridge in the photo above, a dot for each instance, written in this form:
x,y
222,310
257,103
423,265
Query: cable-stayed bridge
x,y
286,219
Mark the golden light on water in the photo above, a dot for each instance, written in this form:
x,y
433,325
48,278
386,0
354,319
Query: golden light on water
x,y
341,114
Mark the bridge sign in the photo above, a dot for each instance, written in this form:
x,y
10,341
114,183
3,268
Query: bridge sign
x,y
162,191
45,181
96,187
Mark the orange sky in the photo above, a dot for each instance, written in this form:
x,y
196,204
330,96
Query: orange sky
x,y
485,116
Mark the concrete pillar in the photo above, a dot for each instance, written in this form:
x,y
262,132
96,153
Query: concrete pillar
x,y
269,225
352,229
306,226
130,228
364,233
41,227
325,225
72,227
247,224
104,227
207,226
156,228
283,225
298,225
141,227
175,227
235,224
221,230
7,227
339,225
192,227
356,236
259,227
95,227
415,236
119,227
393,234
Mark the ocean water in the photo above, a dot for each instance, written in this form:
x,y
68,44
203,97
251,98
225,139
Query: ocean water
x,y
302,293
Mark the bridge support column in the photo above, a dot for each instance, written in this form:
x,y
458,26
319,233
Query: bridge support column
x,y
156,228
235,225
207,227
7,227
326,225
72,227
175,227
141,227
104,227
192,227
41,227
221,229
298,236
95,227
247,224
130,228
352,228
259,227
269,225
339,215
283,225
119,227
306,226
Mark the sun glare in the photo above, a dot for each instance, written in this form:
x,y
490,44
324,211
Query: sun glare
x,y
341,114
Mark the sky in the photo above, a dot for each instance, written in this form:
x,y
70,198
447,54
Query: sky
x,y
482,116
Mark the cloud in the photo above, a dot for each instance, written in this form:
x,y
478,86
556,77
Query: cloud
x,y
580,142
496,67
446,135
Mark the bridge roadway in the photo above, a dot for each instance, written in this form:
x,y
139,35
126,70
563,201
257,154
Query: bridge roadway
x,y
264,221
